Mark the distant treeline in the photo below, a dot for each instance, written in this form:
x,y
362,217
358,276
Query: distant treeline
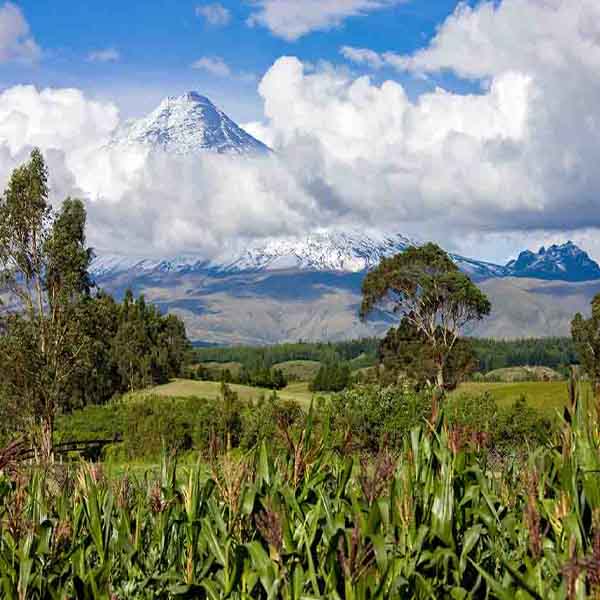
x,y
552,352
555,352
252,357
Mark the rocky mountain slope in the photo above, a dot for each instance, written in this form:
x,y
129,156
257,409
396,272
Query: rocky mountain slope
x,y
563,263
310,289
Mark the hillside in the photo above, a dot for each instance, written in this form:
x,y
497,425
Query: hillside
x,y
288,305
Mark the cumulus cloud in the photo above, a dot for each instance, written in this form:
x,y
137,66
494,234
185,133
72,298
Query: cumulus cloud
x,y
214,65
107,55
519,156
16,41
290,19
513,164
214,14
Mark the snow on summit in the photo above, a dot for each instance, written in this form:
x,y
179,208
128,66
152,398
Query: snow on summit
x,y
187,125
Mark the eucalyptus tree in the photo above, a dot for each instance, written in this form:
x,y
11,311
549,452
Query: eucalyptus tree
x,y
44,265
431,294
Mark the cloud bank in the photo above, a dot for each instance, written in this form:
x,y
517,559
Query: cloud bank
x,y
512,165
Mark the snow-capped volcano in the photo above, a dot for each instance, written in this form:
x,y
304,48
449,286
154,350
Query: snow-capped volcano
x,y
566,262
189,124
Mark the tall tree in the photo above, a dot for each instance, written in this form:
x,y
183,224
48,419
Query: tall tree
x,y
43,263
426,288
405,354
586,335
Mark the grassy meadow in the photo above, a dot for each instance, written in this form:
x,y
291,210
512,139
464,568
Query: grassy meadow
x,y
184,388
546,396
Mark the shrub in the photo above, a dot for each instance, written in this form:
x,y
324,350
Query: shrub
x,y
510,428
372,414
260,421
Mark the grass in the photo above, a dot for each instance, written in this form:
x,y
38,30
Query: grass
x,y
214,367
299,370
514,374
546,396
542,395
180,388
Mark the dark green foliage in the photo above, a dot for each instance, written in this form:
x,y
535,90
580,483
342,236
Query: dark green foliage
x,y
332,377
373,415
43,264
520,425
260,376
262,420
147,425
61,346
405,354
586,335
555,353
148,348
426,288
260,356
513,428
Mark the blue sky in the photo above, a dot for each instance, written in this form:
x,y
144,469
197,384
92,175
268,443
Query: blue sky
x,y
157,41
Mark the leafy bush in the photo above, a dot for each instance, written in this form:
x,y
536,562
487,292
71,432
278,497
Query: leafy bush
x,y
509,428
260,421
373,414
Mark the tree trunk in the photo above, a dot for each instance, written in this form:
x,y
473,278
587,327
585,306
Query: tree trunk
x,y
439,379
47,439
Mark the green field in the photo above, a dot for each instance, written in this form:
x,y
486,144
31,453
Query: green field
x,y
546,396
180,388
542,395
299,370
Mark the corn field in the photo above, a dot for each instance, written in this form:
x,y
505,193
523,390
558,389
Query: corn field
x,y
439,520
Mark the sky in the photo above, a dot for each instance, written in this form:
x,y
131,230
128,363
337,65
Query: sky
x,y
476,125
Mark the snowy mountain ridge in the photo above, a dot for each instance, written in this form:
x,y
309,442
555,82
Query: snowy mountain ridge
x,y
331,251
322,251
188,125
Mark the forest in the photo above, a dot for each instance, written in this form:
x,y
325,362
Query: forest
x,y
553,352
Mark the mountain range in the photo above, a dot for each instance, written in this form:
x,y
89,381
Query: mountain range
x,y
309,287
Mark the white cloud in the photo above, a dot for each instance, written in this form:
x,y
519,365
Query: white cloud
x,y
541,36
363,56
214,14
107,55
214,65
291,19
16,41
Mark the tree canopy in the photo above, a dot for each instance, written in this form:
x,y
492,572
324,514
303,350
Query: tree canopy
x,y
426,288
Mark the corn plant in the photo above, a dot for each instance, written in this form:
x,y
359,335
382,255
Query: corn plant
x,y
437,520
